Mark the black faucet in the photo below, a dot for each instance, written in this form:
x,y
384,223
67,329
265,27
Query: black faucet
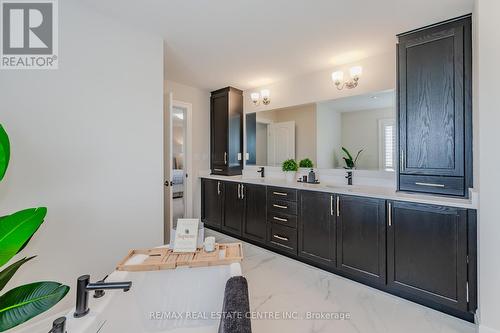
x,y
83,286
349,177
59,325
261,171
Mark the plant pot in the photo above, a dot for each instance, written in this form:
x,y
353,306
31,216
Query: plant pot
x,y
290,176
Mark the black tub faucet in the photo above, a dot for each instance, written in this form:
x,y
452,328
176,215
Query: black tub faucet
x,y
261,171
83,286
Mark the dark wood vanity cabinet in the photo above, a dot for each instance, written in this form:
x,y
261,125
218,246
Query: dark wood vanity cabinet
x,y
427,253
317,239
254,224
234,204
361,233
211,202
435,109
226,131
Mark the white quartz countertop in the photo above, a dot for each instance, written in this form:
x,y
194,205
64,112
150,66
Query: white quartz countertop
x,y
380,192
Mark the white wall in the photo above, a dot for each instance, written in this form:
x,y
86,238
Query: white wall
x,y
487,53
200,100
86,142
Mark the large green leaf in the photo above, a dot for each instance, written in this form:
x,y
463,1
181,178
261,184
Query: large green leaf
x,y
25,302
17,229
4,152
7,273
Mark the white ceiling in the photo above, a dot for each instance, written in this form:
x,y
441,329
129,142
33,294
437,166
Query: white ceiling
x,y
379,100
248,43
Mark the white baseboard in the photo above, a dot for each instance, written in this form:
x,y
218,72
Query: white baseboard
x,y
485,329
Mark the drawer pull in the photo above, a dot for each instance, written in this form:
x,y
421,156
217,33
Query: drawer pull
x,y
280,193
220,170
430,184
280,238
280,206
218,188
279,219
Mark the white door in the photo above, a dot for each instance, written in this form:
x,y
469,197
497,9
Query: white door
x,y
167,167
281,142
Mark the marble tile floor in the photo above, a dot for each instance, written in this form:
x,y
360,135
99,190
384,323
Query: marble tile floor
x,y
280,286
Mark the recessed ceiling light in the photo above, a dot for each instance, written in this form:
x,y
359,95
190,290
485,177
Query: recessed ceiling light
x,y
374,97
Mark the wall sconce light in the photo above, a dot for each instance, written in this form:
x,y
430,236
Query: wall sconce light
x,y
256,97
338,78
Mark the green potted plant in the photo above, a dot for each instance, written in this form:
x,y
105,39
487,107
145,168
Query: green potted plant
x,y
21,303
306,163
290,168
350,163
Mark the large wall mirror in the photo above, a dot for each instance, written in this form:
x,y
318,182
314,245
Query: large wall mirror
x,y
318,131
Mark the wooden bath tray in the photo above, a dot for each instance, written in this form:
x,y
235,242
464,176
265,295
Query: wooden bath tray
x,y
164,258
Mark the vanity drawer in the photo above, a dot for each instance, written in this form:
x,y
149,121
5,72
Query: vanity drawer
x,y
280,193
432,184
281,206
283,219
282,237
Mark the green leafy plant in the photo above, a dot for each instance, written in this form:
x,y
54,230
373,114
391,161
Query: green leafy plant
x,y
306,163
349,161
27,301
290,165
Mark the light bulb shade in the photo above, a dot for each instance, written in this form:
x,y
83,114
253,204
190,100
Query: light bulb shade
x,y
265,93
356,71
254,96
337,76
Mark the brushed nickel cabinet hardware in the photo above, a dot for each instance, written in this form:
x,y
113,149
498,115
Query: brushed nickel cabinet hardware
x,y
331,205
280,206
239,187
430,184
281,238
467,290
389,217
242,191
280,193
338,206
225,158
220,170
279,219
401,160
218,188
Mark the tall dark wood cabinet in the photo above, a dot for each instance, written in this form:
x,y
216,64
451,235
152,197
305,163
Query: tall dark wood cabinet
x,y
211,202
226,131
361,235
317,227
427,255
435,108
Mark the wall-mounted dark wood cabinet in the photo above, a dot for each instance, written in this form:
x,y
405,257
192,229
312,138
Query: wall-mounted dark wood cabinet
x,y
226,131
435,109
361,238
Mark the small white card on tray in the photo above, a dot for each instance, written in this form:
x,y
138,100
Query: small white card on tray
x,y
186,235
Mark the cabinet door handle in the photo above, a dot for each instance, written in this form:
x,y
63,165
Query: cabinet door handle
x,y
389,217
430,184
225,158
242,191
220,170
280,206
280,237
218,188
279,219
331,205
402,160
280,193
338,206
239,187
